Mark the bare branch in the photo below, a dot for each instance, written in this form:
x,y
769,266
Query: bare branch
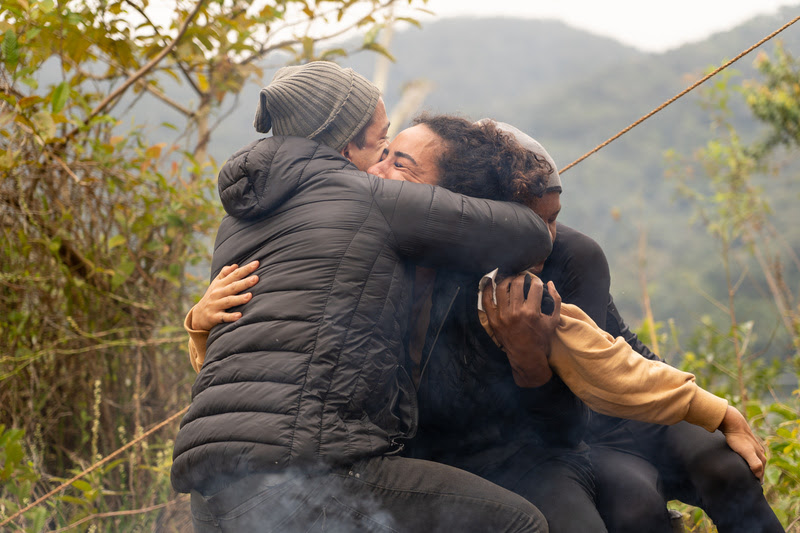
x,y
146,68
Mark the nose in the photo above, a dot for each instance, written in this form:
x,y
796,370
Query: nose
x,y
377,170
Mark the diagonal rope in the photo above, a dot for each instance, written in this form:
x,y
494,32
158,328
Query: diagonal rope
x,y
682,93
95,466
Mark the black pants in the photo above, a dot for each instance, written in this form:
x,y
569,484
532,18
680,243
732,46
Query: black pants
x,y
381,494
638,467
558,481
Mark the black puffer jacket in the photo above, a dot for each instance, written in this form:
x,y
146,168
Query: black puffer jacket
x,y
312,372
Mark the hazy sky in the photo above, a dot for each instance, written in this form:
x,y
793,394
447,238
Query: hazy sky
x,y
649,25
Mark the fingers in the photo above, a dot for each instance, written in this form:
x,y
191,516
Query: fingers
x,y
756,464
489,306
551,288
533,303
227,269
233,301
241,285
762,462
239,273
229,317
516,294
747,445
512,289
233,279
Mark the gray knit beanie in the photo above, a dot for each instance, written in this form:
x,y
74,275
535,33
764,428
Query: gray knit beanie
x,y
530,144
320,101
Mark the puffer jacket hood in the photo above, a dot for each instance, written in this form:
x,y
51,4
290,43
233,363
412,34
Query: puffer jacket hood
x,y
257,179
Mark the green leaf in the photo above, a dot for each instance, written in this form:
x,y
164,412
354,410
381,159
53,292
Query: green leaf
x,y
81,485
772,475
54,245
60,95
10,49
44,124
74,500
308,47
14,452
31,34
415,22
375,47
335,52
372,34
38,517
46,6
116,240
123,271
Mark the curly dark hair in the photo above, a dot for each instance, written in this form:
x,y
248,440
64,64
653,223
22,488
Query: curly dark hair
x,y
481,161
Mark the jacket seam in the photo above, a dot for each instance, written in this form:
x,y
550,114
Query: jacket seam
x,y
349,323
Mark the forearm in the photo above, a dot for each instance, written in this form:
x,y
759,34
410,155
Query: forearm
x,y
614,380
437,228
531,370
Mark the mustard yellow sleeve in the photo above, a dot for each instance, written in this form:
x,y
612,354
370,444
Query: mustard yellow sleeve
x,y
197,342
613,379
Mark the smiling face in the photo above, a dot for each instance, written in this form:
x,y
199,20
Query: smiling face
x,y
411,156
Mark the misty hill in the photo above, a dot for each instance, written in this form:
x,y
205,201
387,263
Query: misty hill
x,y
572,90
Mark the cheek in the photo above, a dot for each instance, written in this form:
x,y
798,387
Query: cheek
x,y
374,151
391,173
374,156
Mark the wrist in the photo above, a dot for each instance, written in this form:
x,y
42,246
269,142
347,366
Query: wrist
x,y
192,322
529,380
531,370
732,420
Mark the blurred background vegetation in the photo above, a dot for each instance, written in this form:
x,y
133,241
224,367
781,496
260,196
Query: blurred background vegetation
x,y
114,117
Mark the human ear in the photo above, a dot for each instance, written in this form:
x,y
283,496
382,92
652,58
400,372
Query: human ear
x,y
346,152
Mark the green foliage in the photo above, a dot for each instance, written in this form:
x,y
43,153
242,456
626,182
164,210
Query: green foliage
x,y
712,357
17,479
104,230
780,423
737,214
775,102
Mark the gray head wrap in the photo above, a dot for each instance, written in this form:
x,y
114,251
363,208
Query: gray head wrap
x,y
319,100
529,143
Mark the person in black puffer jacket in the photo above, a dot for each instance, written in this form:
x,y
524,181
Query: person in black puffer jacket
x,y
298,409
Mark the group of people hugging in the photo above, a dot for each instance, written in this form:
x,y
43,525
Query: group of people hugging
x,y
399,336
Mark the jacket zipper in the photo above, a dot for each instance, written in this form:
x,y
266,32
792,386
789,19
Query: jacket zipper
x,y
436,338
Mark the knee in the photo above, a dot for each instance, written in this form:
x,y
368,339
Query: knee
x,y
723,471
